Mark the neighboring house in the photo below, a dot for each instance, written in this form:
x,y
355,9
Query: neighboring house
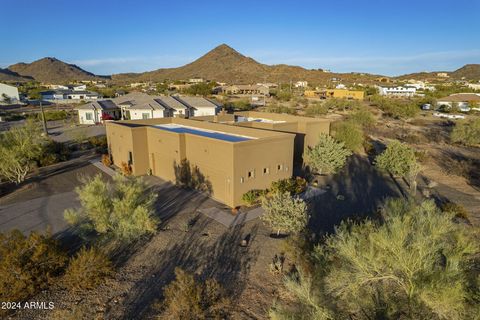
x,y
247,89
62,95
474,86
200,106
343,94
464,101
398,91
195,80
98,111
301,84
139,105
8,94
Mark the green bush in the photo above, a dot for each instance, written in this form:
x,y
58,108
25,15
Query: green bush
x,y
291,185
343,104
350,133
253,197
363,117
282,212
122,210
87,269
417,264
466,132
53,152
327,156
396,108
27,264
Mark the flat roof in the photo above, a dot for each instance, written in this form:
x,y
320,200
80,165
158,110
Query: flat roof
x,y
178,128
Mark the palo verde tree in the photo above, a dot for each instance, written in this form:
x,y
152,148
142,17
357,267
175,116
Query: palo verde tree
x,y
417,264
121,210
285,213
327,156
399,159
19,147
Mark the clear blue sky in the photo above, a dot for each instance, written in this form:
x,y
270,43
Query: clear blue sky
x,y
378,36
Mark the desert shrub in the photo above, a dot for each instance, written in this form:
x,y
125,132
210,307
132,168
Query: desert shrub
x,y
363,118
189,299
343,104
396,108
53,152
126,169
27,264
466,132
252,197
413,265
328,156
242,105
121,210
399,159
106,160
291,185
98,141
422,156
281,109
411,138
456,209
350,134
87,269
284,95
316,109
285,213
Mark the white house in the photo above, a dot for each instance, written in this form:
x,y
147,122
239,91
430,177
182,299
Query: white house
x,y
8,94
98,111
464,101
61,94
200,106
195,80
301,84
398,91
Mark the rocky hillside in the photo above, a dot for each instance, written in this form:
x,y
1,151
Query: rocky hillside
x,y
51,70
468,71
224,64
10,76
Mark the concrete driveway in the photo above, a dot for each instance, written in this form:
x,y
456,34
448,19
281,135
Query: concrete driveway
x,y
40,203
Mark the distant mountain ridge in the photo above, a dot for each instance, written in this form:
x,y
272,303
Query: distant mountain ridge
x,y
52,70
224,64
221,64
8,75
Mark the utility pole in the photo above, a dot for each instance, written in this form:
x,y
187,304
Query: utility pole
x,y
43,118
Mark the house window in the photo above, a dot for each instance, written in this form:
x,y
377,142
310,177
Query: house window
x,y
266,170
279,167
130,157
89,116
145,115
242,180
251,174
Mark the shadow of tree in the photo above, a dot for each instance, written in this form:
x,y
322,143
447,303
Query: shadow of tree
x,y
356,192
190,176
223,259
